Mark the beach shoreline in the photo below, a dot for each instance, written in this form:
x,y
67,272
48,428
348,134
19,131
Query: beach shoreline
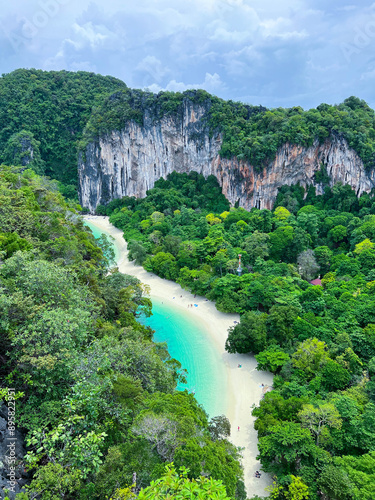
x,y
245,385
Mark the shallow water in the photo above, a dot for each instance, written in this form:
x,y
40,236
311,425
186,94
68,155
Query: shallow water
x,y
95,230
192,346
97,233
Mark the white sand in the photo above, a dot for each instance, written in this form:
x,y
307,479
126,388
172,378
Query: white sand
x,y
245,383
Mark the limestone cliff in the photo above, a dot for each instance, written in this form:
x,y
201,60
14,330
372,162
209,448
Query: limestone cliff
x,y
127,162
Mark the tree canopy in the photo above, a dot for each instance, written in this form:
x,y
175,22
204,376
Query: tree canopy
x,y
96,396
317,339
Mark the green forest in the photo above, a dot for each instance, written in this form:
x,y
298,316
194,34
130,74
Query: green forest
x,y
51,109
316,428
95,396
48,117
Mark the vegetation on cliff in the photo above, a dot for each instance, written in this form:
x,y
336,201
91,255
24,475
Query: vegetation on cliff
x,y
316,431
95,395
256,133
54,107
61,112
252,133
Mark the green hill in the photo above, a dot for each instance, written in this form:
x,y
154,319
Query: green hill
x,y
60,111
54,107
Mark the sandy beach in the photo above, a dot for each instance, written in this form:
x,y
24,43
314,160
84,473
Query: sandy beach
x,y
245,383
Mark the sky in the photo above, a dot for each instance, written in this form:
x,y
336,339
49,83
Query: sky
x,y
270,52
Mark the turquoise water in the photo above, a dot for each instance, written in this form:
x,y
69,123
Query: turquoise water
x,y
97,233
191,345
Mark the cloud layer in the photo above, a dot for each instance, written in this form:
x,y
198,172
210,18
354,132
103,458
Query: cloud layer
x,y
295,52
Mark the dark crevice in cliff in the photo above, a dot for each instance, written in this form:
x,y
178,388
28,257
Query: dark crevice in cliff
x,y
145,152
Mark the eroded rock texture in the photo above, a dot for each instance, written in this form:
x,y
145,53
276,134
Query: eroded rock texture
x,y
128,162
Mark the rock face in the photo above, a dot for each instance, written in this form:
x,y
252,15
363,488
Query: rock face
x,y
293,164
128,162
12,452
20,148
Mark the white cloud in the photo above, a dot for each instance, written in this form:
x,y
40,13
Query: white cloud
x,y
211,83
369,75
91,34
292,35
153,66
348,8
82,49
222,35
270,51
281,28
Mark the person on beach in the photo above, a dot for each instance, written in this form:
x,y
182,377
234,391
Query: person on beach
x,y
238,427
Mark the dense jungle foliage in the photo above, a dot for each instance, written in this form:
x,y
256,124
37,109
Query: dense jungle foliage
x,y
96,396
47,117
317,427
253,133
52,108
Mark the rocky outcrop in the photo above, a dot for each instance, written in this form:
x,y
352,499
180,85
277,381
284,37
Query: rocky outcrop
x,y
129,161
293,164
22,149
13,475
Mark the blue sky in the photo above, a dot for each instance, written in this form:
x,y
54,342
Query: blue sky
x,y
269,52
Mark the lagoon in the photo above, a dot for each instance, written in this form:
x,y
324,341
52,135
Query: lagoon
x,y
224,383
189,343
